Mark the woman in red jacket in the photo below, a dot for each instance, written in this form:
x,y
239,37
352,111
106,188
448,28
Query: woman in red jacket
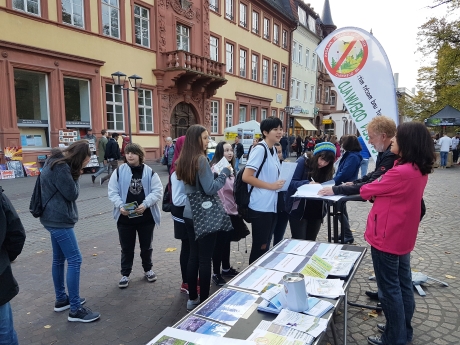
x,y
392,227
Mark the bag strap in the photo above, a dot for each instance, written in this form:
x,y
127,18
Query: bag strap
x,y
261,165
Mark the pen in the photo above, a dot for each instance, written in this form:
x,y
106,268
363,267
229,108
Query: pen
x,y
312,180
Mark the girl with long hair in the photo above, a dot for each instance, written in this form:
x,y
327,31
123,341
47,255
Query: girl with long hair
x,y
306,216
193,169
135,183
59,192
221,254
392,227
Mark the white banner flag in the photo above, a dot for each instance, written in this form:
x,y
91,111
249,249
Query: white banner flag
x,y
361,72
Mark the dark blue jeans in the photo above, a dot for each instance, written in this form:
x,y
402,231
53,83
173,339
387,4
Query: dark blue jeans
x,y
7,333
394,281
444,156
65,247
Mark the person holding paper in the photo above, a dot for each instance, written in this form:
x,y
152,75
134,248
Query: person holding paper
x,y
306,216
348,171
264,197
221,255
392,227
135,183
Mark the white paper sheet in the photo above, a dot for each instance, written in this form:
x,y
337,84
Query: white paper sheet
x,y
329,288
284,330
257,278
286,173
223,163
283,262
298,321
311,190
174,336
296,247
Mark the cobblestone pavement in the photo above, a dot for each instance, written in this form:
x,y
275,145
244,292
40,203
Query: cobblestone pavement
x,y
136,314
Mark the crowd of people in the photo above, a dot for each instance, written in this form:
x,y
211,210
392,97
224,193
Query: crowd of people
x,y
405,158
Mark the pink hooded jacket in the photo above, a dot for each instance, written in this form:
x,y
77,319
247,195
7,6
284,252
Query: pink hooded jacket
x,y
226,195
392,224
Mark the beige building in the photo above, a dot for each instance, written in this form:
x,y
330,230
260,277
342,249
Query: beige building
x,y
253,39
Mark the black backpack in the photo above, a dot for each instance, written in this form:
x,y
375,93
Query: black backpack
x,y
36,207
240,190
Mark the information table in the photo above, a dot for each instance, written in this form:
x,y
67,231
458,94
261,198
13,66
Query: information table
x,y
232,312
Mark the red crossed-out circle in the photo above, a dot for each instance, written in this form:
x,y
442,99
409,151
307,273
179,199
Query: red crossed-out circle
x,y
355,39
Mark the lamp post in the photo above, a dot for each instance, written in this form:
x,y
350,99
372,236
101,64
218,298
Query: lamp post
x,y
135,81
344,120
289,111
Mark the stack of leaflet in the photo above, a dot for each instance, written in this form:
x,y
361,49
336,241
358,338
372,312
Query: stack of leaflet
x,y
342,263
327,288
270,333
274,301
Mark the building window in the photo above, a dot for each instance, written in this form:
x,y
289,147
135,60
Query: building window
x,y
214,117
263,114
242,118
255,22
292,88
243,63
214,47
312,93
285,36
326,91
318,94
265,71
313,62
145,110
297,90
294,51
305,93
307,57
142,26
214,5
76,102
302,16
282,115
243,15
266,28
228,115
29,6
299,54
273,113
229,57
111,18
254,67
72,12
253,115
183,37
276,34
114,107
31,93
275,75
229,9
333,99
283,77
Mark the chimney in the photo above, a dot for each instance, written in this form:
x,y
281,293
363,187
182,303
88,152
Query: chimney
x,y
396,78
413,90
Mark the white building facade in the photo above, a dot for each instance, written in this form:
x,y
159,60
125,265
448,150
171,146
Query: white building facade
x,y
303,72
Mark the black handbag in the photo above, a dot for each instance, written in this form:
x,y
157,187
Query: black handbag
x,y
167,197
208,213
240,228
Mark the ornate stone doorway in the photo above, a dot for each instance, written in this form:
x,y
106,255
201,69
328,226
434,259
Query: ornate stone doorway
x,y
182,118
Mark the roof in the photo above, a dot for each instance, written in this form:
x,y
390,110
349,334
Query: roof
x,y
326,16
251,125
285,8
447,112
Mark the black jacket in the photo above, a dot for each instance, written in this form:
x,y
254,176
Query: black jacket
x,y
12,238
385,161
112,150
239,150
284,141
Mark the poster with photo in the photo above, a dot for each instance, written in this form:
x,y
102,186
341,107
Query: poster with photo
x,y
6,174
31,169
17,167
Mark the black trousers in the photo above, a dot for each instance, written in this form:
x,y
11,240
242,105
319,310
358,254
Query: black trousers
x,y
221,255
263,225
183,259
127,236
304,229
199,261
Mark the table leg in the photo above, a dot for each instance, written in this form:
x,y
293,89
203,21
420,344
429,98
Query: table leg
x,y
329,229
334,332
336,223
345,317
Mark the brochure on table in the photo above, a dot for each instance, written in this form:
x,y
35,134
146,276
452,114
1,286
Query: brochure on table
x,y
180,337
311,190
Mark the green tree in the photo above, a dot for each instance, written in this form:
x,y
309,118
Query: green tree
x,y
333,63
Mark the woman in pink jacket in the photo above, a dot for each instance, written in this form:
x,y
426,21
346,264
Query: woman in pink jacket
x,y
392,227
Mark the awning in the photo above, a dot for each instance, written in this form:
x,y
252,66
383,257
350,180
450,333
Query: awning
x,y
306,124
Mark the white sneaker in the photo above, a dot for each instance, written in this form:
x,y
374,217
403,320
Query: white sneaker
x,y
150,276
124,282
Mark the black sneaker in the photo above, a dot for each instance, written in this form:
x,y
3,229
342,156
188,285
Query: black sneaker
x,y
83,314
218,280
231,272
93,178
64,305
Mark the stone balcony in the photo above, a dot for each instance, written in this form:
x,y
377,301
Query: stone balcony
x,y
189,72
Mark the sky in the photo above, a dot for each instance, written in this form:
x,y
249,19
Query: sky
x,y
394,23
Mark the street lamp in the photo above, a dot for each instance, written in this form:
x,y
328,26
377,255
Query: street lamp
x,y
344,119
135,82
